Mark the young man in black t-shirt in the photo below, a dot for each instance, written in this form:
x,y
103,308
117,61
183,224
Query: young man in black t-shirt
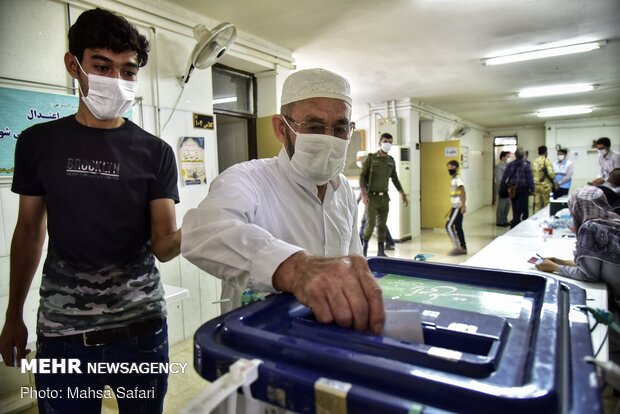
x,y
107,189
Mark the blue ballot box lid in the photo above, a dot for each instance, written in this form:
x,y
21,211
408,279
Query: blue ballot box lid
x,y
494,341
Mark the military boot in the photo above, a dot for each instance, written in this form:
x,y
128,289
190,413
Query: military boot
x,y
381,250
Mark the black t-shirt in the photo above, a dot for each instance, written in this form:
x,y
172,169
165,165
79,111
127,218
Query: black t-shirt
x,y
98,184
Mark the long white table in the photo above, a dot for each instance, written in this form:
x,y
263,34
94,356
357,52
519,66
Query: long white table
x,y
512,251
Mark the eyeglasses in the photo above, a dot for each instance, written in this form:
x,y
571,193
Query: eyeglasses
x,y
343,131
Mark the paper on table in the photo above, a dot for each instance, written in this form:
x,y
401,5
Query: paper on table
x,y
404,325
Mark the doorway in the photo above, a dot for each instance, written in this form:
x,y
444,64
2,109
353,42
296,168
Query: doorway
x,y
236,140
234,103
435,181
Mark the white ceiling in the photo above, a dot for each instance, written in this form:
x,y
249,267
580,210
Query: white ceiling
x,y
430,50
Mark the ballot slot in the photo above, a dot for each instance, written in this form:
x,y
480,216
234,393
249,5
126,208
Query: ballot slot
x,y
473,354
447,347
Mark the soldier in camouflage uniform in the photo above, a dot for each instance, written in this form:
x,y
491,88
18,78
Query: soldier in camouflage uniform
x,y
377,170
543,173
107,189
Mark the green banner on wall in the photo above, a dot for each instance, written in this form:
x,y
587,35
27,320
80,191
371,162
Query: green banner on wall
x,y
20,109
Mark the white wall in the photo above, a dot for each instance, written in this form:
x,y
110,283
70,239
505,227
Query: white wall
x,y
529,138
577,136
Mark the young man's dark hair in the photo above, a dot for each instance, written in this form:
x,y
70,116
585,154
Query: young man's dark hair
x,y
454,163
604,141
385,135
101,29
503,154
542,150
563,151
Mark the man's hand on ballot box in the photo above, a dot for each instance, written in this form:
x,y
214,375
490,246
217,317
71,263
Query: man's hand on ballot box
x,y
337,289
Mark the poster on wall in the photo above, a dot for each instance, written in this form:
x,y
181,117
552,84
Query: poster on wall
x,y
464,157
192,159
20,109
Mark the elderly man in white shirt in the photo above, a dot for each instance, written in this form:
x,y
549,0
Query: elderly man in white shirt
x,y
289,223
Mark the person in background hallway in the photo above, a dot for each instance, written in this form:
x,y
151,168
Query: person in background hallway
x,y
607,160
503,201
543,173
106,190
454,225
563,168
597,251
289,223
519,174
389,241
375,177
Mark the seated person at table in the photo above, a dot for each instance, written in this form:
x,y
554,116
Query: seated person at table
x,y
611,189
597,251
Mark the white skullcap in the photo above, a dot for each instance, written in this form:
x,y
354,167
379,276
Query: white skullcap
x,y
315,83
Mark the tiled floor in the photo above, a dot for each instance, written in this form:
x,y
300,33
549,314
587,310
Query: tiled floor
x,y
479,228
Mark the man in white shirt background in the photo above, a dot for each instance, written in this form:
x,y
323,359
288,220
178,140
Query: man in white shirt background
x,y
607,160
563,168
290,223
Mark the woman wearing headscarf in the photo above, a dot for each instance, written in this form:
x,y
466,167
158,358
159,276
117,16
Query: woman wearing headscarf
x,y
597,251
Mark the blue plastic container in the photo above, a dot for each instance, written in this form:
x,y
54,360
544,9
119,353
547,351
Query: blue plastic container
x,y
494,341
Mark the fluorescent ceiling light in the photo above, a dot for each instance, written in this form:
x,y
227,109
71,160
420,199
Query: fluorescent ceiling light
x,y
555,90
543,53
564,110
224,100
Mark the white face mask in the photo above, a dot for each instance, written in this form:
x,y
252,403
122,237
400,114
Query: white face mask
x,y
386,147
602,152
108,98
319,158
561,157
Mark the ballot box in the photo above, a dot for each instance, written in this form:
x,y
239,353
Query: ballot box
x,y
493,341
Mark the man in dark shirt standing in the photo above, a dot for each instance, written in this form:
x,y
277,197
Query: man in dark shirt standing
x,y
377,170
104,189
519,174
